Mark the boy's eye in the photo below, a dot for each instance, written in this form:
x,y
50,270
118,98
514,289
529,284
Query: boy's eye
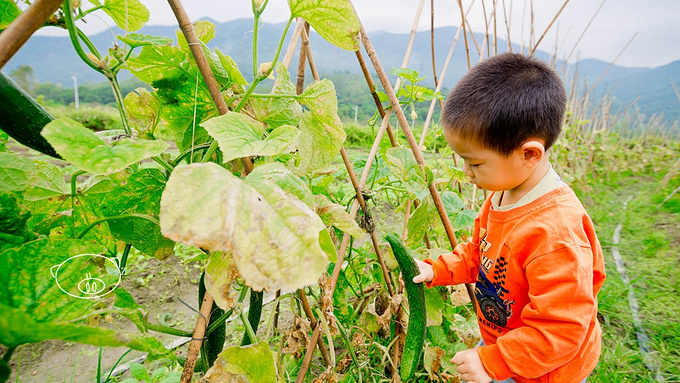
x,y
473,165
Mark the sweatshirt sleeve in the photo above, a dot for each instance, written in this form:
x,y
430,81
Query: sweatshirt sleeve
x,y
459,266
556,319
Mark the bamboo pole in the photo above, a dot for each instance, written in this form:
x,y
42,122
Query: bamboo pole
x,y
23,27
374,94
467,48
194,43
549,25
197,338
312,319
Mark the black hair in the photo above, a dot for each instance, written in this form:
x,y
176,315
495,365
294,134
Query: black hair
x,y
505,101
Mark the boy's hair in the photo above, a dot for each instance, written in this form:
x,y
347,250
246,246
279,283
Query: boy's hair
x,y
505,101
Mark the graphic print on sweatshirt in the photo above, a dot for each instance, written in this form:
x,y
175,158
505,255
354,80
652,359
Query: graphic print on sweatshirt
x,y
495,309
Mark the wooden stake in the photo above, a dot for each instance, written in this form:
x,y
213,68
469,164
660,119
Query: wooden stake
x,y
23,27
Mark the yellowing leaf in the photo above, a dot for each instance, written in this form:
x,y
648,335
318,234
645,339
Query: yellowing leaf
x,y
250,364
273,236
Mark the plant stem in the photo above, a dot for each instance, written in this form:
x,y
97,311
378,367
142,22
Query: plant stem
x,y
131,215
74,177
249,328
162,162
168,330
124,257
213,325
73,35
118,94
89,43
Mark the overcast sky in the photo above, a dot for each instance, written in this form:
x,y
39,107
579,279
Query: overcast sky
x,y
656,22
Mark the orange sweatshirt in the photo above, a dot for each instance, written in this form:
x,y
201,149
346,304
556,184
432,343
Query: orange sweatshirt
x,y
538,269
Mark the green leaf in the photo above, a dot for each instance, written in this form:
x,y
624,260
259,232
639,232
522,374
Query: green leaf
x,y
4,138
453,204
464,219
141,194
336,215
143,110
129,15
434,305
86,151
420,221
408,74
321,132
8,12
334,20
157,62
135,40
404,167
273,237
232,68
17,173
204,30
35,282
240,136
13,230
277,111
139,372
249,364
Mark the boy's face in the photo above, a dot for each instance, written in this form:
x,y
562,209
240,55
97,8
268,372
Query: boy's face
x,y
488,169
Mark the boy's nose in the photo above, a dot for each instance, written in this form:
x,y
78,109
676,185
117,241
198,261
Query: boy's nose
x,y
466,169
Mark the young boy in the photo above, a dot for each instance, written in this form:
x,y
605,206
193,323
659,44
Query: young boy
x,y
534,255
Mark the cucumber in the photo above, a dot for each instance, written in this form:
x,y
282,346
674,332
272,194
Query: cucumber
x,y
254,314
417,319
214,342
22,118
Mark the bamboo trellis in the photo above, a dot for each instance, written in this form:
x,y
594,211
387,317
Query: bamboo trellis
x,y
34,17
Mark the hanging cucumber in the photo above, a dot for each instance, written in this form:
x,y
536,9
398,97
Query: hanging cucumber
x,y
22,118
417,320
214,342
254,314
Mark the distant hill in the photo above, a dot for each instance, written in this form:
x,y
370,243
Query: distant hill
x,y
54,60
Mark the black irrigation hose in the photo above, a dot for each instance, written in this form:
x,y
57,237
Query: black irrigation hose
x,y
640,332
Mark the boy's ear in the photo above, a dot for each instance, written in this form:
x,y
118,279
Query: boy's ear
x,y
533,152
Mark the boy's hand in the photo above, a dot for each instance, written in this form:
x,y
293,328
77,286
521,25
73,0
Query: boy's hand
x,y
470,367
426,273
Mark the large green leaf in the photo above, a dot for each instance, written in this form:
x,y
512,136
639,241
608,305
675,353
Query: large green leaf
x,y
273,237
434,304
249,364
16,173
8,12
321,132
35,282
156,62
240,136
141,194
86,151
455,209
129,15
334,20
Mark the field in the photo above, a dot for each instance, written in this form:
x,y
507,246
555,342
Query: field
x,y
256,209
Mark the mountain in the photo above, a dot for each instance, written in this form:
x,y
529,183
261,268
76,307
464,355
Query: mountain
x,y
54,60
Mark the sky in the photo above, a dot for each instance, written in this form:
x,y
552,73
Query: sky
x,y
649,30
